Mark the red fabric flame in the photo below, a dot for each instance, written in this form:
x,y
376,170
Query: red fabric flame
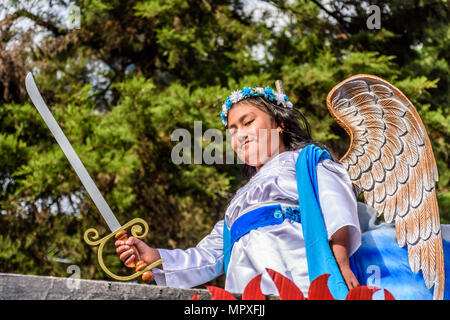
x,y
361,293
286,288
220,294
253,290
318,290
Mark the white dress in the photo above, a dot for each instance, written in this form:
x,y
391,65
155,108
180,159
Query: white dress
x,y
279,247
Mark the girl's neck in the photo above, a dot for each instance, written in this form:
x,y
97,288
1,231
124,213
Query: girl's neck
x,y
280,150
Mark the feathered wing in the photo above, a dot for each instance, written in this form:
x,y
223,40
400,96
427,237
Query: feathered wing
x,y
390,159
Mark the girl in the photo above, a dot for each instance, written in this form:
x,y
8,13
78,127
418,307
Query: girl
x,y
267,137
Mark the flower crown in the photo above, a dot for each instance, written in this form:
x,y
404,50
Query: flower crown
x,y
278,97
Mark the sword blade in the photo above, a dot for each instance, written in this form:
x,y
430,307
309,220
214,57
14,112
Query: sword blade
x,y
71,155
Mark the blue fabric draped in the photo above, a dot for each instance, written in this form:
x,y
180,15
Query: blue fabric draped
x,y
381,262
227,246
260,217
319,256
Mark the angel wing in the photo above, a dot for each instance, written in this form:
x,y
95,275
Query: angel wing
x,y
390,159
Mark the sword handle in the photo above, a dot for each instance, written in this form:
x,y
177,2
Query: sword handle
x,y
147,276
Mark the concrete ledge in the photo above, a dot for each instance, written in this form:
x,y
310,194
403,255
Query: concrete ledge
x,y
28,287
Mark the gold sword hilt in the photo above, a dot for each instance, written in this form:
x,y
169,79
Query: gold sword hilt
x,y
139,229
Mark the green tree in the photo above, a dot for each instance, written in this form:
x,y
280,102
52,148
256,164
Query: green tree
x,y
137,70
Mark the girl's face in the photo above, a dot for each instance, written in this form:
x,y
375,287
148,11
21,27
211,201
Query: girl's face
x,y
255,136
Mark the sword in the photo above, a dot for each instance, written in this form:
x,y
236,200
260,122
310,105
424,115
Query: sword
x,y
117,230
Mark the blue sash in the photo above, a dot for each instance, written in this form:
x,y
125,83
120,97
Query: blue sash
x,y
318,253
319,256
260,217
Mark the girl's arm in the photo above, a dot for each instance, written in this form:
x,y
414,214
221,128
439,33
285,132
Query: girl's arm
x,y
182,268
339,246
339,207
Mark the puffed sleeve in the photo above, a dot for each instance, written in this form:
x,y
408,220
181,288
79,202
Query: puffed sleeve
x,y
338,201
194,266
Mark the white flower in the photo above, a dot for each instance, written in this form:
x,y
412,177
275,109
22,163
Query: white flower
x,y
235,96
289,104
259,90
224,109
280,98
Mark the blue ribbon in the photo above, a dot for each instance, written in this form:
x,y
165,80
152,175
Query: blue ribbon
x,y
260,217
319,256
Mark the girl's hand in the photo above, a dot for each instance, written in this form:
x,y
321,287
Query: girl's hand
x,y
339,246
126,252
349,278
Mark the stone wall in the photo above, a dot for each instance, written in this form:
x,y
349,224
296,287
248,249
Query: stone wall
x,y
27,287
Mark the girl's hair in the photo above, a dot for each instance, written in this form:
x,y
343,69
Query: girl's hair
x,y
296,129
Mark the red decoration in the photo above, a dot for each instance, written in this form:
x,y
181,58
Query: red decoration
x,y
286,288
361,293
220,294
318,290
253,290
388,295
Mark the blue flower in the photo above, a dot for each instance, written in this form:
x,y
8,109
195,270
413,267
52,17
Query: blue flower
x,y
246,92
268,91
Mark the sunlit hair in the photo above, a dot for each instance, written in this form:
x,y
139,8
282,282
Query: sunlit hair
x,y
296,132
